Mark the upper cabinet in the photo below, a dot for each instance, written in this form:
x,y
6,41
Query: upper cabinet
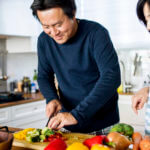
x,y
16,18
119,17
21,44
18,23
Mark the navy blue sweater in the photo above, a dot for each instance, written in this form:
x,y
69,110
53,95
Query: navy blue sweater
x,y
88,74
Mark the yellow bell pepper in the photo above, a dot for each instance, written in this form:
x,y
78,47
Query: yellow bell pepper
x,y
99,147
77,146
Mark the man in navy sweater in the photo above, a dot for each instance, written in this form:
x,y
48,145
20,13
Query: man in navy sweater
x,y
81,55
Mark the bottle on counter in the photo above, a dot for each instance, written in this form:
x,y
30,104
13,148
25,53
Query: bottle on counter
x,y
13,86
19,86
34,84
35,75
26,85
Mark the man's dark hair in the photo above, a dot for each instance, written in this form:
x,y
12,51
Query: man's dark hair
x,y
139,9
68,6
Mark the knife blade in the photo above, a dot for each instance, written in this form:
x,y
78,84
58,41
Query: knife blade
x,y
48,121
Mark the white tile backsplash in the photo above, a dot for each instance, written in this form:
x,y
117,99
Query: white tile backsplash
x,y
21,64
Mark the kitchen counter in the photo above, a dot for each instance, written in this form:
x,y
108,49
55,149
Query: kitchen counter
x,y
28,98
37,97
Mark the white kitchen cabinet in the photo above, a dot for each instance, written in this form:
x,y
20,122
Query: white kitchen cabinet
x,y
128,116
18,23
28,109
21,44
16,18
29,115
5,115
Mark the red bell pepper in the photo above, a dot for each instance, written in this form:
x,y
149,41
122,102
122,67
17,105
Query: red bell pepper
x,y
99,139
57,144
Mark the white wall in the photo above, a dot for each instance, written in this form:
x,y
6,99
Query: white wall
x,y
119,17
21,64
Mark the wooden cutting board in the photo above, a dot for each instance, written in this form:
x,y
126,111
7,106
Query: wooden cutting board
x,y
71,138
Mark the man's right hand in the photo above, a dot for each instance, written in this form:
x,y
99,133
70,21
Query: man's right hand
x,y
139,99
53,107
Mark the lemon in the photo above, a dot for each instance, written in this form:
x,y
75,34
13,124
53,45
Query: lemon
x,y
120,89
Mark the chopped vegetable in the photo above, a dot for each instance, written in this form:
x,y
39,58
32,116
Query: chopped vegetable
x,y
77,146
33,136
54,136
123,128
21,135
42,138
38,135
47,132
56,144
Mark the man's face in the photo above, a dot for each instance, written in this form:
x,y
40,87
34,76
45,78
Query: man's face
x,y
146,11
57,25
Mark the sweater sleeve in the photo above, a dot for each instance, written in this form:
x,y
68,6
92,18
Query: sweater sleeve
x,y
109,78
45,74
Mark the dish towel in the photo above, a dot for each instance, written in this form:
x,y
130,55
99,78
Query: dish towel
x,y
147,117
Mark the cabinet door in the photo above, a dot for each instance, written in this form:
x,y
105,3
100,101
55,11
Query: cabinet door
x,y
5,115
28,110
16,44
30,122
16,18
29,115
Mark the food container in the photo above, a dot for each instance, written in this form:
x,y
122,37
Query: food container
x,y
6,139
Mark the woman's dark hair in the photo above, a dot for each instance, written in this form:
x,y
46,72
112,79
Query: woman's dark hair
x,y
139,9
68,6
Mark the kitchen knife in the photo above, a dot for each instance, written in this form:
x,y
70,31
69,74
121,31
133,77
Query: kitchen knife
x,y
48,121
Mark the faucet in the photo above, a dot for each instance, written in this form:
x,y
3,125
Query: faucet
x,y
137,62
126,86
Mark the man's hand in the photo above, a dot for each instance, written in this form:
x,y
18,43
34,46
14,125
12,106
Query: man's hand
x,y
53,107
61,120
139,99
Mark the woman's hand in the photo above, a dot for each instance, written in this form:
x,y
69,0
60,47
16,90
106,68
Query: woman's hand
x,y
139,99
62,119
